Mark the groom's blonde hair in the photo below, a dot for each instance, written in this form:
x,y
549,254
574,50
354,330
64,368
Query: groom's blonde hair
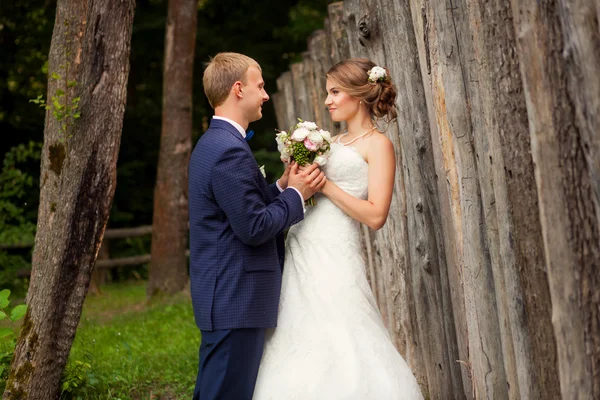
x,y
221,72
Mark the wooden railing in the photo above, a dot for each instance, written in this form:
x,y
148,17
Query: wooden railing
x,y
103,263
122,233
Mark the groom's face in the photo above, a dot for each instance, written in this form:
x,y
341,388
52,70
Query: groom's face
x,y
254,94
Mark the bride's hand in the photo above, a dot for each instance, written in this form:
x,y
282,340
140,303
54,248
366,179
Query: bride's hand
x,y
283,181
324,185
319,183
302,168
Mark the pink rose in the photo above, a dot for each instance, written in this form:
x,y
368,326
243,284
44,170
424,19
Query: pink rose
x,y
310,145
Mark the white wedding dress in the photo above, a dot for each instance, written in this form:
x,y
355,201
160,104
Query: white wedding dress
x,y
330,342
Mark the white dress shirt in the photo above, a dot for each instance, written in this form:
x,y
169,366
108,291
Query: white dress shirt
x,y
243,133
235,124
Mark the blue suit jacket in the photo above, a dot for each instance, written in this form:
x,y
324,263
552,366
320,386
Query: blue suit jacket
x,y
236,233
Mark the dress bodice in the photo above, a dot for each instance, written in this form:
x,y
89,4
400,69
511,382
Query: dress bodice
x,y
348,170
325,222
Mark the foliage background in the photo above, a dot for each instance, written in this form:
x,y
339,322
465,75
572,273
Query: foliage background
x,y
223,25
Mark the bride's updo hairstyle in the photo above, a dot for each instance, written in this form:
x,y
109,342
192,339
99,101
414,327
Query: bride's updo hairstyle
x,y
379,95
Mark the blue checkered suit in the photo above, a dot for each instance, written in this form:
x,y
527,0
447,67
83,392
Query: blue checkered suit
x,y
236,240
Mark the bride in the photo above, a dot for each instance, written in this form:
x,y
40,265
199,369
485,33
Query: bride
x,y
330,341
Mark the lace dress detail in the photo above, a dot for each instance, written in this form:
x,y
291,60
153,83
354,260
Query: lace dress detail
x,y
330,342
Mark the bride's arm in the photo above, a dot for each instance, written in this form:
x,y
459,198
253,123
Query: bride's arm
x,y
382,166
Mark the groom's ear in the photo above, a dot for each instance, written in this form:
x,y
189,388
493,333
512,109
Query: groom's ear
x,y
237,89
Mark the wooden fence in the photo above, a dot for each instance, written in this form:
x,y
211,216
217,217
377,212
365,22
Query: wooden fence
x,y
487,270
104,261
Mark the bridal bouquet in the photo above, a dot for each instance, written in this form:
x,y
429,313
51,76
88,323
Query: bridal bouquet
x,y
305,143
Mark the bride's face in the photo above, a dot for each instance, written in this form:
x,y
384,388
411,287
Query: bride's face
x,y
341,105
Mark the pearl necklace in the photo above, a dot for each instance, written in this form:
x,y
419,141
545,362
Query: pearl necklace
x,y
339,141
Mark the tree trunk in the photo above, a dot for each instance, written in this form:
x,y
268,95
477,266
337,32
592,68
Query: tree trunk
x,y
169,265
564,133
99,275
90,45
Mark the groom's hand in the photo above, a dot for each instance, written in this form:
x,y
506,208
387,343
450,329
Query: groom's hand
x,y
283,181
308,181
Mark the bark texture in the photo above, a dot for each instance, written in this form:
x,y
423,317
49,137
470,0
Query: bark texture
x,y
169,266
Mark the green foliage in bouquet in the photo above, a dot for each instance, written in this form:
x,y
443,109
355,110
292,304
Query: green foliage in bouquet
x,y
301,154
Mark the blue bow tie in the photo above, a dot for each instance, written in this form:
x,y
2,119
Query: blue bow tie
x,y
249,135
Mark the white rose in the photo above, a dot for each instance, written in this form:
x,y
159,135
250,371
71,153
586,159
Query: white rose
x,y
281,137
286,155
376,73
311,126
326,135
300,134
316,138
321,160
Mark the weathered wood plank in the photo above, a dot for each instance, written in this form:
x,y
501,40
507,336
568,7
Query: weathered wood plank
x,y
380,270
500,162
285,86
427,259
311,87
455,129
337,33
280,107
467,20
510,203
447,177
319,49
301,96
564,178
579,21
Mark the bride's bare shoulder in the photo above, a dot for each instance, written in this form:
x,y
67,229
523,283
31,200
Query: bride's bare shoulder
x,y
378,140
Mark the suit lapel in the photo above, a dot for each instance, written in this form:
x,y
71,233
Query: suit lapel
x,y
226,126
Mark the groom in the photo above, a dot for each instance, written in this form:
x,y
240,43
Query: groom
x,y
236,232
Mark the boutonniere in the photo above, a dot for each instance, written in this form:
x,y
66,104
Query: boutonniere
x,y
262,171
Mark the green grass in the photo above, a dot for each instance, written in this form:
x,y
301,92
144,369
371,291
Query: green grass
x,y
134,349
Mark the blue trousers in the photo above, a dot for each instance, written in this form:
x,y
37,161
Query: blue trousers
x,y
229,361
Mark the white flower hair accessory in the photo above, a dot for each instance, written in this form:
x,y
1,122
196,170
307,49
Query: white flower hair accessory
x,y
377,74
